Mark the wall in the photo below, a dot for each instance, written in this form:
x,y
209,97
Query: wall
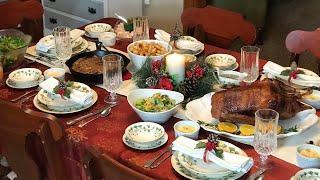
x,y
164,13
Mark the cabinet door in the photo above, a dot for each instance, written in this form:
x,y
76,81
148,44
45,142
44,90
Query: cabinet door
x,y
126,8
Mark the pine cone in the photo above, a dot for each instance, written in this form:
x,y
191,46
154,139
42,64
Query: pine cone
x,y
190,86
151,81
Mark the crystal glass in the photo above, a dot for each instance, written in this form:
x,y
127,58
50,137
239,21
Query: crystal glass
x,y
265,135
250,63
62,43
112,76
140,28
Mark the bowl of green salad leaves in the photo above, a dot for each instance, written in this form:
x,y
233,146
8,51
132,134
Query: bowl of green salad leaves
x,y
13,46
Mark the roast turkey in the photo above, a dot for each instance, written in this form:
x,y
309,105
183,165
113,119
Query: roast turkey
x,y
238,105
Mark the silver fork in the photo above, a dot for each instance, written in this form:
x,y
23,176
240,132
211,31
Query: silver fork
x,y
25,94
150,162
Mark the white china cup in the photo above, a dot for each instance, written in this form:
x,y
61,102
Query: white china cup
x,y
57,73
193,135
108,38
306,162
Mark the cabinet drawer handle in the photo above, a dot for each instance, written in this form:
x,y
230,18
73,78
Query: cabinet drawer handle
x,y
92,10
52,0
53,20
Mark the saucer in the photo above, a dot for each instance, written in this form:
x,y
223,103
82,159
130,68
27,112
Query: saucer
x,y
127,141
30,85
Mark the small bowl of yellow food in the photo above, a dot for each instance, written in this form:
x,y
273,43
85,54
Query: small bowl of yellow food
x,y
57,73
308,156
312,99
188,129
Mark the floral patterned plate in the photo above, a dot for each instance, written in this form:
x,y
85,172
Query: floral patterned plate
x,y
144,132
66,110
196,165
179,168
147,146
24,86
307,174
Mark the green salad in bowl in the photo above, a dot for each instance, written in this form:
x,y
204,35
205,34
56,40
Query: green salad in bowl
x,y
156,103
13,45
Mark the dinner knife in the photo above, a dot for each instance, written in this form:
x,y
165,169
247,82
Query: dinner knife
x,y
73,121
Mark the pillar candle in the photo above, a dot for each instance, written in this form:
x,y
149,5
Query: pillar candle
x,y
176,66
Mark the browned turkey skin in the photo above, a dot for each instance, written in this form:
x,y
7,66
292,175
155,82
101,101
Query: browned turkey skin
x,y
238,105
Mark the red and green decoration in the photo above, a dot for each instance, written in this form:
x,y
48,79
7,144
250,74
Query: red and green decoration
x,y
199,78
63,89
210,146
292,72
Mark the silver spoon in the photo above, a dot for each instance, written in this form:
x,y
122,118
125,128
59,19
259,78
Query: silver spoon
x,y
104,113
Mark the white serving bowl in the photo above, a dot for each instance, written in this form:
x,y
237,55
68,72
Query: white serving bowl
x,y
157,117
96,29
57,73
138,60
108,38
222,61
193,135
25,76
231,77
306,162
144,132
312,99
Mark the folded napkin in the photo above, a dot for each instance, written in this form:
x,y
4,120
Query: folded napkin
x,y
162,35
275,70
190,43
47,42
233,162
75,96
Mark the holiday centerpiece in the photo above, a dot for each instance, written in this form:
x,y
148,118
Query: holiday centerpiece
x,y
197,79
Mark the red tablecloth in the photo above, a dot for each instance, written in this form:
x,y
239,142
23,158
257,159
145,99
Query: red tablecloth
x,y
105,134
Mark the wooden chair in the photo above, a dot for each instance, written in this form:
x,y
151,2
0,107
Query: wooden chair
x,y
221,27
299,41
103,167
29,141
25,15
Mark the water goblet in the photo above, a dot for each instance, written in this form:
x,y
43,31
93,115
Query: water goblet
x,y
112,76
250,63
265,135
140,28
62,44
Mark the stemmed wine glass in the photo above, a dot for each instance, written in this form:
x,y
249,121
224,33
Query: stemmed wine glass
x,y
112,76
250,63
265,135
62,44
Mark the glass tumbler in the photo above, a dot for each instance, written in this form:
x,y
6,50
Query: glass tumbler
x,y
265,135
250,63
140,28
112,76
62,43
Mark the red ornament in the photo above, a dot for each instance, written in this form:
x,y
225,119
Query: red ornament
x,y
165,83
198,71
156,66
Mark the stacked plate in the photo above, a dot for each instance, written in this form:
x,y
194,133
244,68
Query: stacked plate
x,y
78,45
145,136
25,78
222,61
54,103
194,168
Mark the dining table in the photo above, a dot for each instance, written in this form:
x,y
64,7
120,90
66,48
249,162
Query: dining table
x,y
105,133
